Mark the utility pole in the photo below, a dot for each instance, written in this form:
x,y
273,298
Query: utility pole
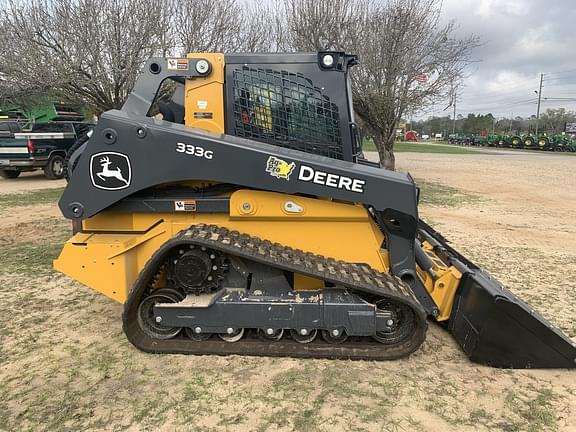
x,y
511,117
539,98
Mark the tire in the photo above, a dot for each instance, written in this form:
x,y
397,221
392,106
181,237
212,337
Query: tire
x,y
54,170
543,143
9,174
69,165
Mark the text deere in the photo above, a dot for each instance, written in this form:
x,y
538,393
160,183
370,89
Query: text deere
x,y
309,174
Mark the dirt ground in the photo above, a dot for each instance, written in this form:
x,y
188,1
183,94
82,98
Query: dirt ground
x,y
29,181
65,364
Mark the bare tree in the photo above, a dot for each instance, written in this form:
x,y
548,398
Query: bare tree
x,y
205,25
221,25
408,60
321,24
554,119
262,28
90,51
85,50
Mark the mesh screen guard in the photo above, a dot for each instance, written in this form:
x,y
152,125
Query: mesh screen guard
x,y
285,109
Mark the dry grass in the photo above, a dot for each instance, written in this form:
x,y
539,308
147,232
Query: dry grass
x,y
66,365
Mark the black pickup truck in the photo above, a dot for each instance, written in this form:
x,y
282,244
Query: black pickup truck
x,y
44,147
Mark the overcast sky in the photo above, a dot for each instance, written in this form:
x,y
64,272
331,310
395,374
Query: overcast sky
x,y
521,40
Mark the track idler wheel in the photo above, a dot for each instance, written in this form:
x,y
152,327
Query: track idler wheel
x,y
146,318
402,325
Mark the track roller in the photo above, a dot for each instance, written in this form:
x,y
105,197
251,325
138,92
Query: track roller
x,y
303,335
196,335
334,336
232,335
271,334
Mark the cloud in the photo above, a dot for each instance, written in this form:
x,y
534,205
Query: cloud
x,y
522,39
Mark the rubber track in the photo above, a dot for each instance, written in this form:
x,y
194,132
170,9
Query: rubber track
x,y
358,277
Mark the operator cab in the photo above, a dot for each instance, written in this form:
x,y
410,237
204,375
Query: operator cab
x,y
297,101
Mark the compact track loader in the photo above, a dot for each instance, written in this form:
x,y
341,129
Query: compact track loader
x,y
247,221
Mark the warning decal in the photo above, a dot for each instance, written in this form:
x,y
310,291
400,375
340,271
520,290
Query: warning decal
x,y
178,64
203,115
186,205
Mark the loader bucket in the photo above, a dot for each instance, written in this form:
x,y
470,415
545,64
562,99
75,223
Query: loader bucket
x,y
493,326
496,328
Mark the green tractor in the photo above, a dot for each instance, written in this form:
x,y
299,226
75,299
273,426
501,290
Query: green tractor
x,y
562,143
545,143
529,142
42,111
493,140
516,141
480,140
504,141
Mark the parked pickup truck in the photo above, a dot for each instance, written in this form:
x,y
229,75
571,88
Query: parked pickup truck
x,y
45,147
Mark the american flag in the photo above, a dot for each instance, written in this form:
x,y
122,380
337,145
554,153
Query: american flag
x,y
421,78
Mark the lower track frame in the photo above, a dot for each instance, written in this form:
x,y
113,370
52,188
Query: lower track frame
x,y
348,275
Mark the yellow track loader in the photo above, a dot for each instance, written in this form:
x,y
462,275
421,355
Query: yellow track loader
x,y
247,221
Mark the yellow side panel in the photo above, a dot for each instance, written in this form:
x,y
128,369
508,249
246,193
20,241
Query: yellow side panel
x,y
204,97
110,263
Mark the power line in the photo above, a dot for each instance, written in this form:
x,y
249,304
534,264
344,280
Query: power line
x,y
513,88
562,72
518,86
560,79
560,84
564,93
506,99
511,97
559,98
491,105
503,110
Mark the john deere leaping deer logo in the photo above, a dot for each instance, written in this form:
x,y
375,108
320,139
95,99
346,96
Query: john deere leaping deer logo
x,y
110,171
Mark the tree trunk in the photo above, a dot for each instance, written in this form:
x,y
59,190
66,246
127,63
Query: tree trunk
x,y
385,148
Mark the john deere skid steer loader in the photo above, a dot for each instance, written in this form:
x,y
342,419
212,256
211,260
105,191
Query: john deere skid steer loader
x,y
248,222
